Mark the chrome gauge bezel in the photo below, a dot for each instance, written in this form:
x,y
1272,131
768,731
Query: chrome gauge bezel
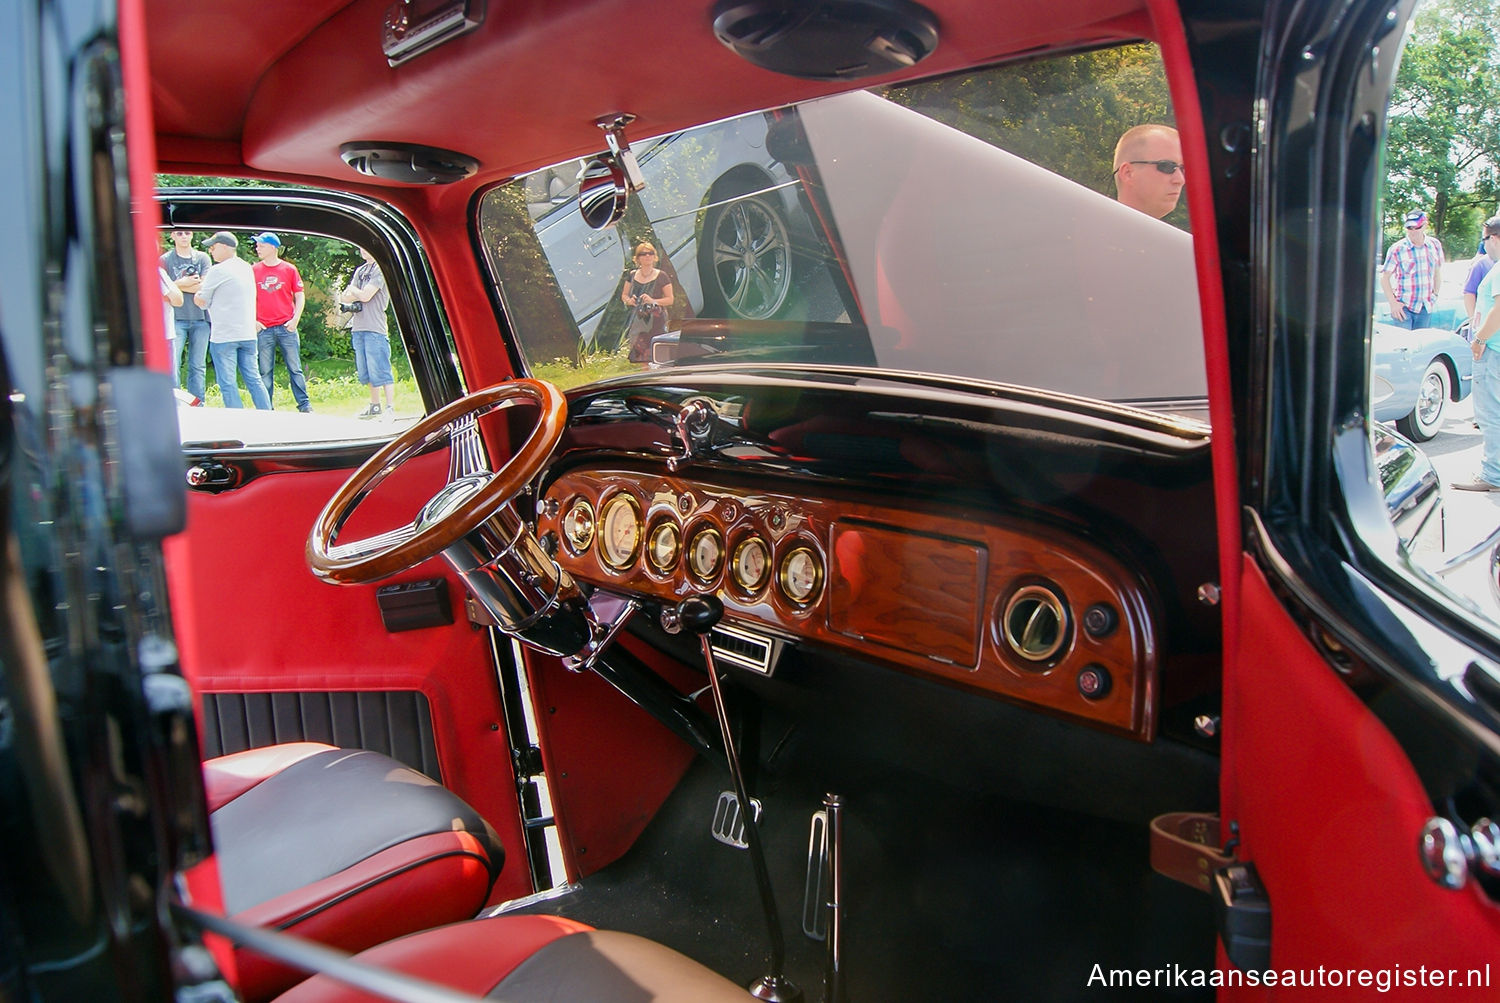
x,y
691,556
609,555
741,551
664,527
785,580
578,543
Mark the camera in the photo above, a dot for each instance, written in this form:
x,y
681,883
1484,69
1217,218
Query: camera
x,y
351,307
645,309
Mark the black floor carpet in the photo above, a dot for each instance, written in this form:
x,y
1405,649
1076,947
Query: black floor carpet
x,y
950,896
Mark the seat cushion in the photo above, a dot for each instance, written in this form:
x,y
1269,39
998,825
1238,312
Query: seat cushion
x,y
524,958
349,848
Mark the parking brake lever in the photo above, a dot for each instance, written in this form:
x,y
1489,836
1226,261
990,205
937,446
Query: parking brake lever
x,y
698,615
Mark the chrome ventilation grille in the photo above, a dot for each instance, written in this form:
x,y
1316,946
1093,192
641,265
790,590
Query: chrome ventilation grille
x,y
1035,623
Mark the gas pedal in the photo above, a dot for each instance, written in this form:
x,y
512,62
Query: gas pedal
x,y
819,880
729,821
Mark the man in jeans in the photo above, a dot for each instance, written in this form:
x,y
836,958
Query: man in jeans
x,y
228,293
1487,373
185,268
278,308
1413,274
364,299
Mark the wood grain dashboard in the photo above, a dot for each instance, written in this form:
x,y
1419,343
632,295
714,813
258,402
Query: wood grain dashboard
x,y
1019,611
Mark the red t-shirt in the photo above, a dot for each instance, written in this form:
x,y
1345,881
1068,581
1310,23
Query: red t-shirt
x,y
276,287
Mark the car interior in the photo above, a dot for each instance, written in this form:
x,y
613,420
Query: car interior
x,y
847,624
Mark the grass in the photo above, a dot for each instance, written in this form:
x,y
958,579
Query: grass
x,y
331,387
567,374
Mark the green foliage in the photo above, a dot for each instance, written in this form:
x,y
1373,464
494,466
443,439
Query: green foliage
x,y
325,264
1062,114
1444,133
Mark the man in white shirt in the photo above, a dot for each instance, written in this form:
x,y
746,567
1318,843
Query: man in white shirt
x,y
229,290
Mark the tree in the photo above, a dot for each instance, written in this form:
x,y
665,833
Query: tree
x,y
1444,133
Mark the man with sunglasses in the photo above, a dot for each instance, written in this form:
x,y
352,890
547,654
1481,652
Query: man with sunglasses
x,y
1148,169
1413,274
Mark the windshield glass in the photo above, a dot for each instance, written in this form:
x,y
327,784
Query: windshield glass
x,y
979,226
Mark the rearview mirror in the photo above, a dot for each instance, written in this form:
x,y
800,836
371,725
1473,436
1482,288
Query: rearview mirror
x,y
602,194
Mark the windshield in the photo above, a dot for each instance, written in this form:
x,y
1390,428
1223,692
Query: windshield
x,y
973,227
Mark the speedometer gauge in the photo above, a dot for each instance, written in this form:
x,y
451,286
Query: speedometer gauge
x,y
706,553
619,531
752,563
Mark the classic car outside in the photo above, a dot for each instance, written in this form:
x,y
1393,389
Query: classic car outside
x,y
1414,374
877,656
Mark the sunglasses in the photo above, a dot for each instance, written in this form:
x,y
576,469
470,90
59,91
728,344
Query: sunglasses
x,y
1165,166
646,254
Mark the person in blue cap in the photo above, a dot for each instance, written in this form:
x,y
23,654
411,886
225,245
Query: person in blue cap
x,y
278,308
1413,274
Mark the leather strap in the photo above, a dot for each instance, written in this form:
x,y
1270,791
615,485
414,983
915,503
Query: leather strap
x,y
1185,847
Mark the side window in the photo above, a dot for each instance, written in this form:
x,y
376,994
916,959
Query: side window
x,y
283,338
1434,394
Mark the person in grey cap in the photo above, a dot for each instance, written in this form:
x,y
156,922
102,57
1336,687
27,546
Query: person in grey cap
x,y
228,291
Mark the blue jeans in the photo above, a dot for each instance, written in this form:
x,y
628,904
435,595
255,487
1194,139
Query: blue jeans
x,y
291,349
230,356
1415,319
372,358
193,336
1487,411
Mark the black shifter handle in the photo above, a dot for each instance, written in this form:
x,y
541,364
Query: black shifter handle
x,y
700,614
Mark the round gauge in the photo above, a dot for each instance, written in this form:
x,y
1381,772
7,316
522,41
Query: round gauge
x,y
619,531
706,553
752,563
800,575
578,526
662,546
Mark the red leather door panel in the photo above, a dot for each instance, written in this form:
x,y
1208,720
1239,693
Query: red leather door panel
x,y
251,618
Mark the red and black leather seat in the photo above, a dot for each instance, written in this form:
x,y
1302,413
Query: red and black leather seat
x,y
344,847
523,958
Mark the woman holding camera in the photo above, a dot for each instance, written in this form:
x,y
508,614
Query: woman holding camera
x,y
364,299
648,294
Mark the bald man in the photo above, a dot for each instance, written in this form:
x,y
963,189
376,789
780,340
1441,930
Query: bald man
x,y
1148,169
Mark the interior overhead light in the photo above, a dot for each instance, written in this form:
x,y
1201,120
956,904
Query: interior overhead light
x,y
827,39
409,162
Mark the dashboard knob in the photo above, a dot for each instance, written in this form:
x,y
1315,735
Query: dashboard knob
x,y
699,614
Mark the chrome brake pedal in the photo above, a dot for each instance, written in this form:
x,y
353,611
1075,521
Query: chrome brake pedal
x,y
729,821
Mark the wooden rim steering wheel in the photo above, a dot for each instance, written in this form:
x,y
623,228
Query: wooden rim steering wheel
x,y
473,492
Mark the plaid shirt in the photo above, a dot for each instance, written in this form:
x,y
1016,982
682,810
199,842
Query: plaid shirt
x,y
1412,270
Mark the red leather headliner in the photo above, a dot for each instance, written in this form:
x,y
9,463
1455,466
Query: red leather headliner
x,y
278,85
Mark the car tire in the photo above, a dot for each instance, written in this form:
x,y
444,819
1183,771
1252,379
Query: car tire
x,y
1432,401
745,259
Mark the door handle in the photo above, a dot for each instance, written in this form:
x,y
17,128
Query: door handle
x,y
210,475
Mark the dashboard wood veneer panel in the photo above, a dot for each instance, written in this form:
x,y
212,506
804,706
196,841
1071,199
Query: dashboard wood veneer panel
x,y
906,590
925,592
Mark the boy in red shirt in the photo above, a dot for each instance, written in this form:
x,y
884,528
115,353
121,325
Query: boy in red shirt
x,y
278,308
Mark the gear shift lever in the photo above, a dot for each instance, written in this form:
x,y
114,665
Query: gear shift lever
x,y
698,615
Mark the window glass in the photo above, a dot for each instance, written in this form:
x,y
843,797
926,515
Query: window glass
x,y
1427,390
976,227
311,312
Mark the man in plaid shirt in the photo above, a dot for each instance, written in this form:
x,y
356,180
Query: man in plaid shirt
x,y
1412,275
